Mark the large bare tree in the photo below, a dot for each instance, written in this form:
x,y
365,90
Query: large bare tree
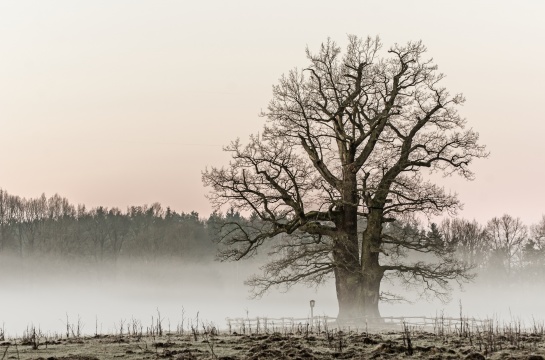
x,y
346,137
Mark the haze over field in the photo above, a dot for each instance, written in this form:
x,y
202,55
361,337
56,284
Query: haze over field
x,y
115,104
44,295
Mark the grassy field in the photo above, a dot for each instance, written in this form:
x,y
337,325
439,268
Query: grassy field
x,y
406,342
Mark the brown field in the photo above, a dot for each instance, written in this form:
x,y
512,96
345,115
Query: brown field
x,y
509,342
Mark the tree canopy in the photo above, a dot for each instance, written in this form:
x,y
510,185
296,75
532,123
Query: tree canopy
x,y
348,136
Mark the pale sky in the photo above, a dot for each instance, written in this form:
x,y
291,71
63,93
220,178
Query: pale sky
x,y
121,103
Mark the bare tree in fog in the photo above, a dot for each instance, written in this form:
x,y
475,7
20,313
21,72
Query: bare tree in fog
x,y
348,136
7,218
118,229
34,211
469,239
144,228
506,235
60,225
538,233
534,251
96,226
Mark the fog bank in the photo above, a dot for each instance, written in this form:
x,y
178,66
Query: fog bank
x,y
46,291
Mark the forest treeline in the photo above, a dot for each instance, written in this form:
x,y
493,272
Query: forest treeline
x,y
54,226
40,226
504,248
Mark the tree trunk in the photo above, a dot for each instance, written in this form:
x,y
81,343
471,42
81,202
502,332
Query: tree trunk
x,y
370,266
358,293
357,280
348,280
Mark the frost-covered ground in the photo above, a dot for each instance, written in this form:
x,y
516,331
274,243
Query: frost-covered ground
x,y
285,345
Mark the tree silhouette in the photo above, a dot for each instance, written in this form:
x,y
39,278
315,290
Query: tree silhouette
x,y
348,136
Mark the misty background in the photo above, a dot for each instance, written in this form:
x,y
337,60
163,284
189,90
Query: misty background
x,y
103,266
112,104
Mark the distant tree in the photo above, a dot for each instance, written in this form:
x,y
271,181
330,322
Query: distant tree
x,y
469,239
434,234
534,252
350,135
538,233
35,210
60,227
118,231
18,222
7,219
98,228
506,236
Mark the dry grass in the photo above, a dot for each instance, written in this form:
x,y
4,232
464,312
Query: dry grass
x,y
465,339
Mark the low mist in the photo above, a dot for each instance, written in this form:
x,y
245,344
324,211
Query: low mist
x,y
48,291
